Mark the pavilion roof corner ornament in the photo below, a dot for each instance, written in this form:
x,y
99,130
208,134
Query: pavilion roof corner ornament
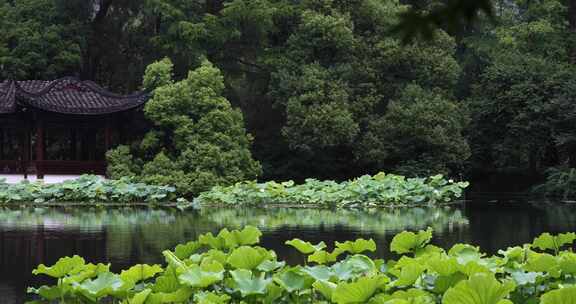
x,y
67,95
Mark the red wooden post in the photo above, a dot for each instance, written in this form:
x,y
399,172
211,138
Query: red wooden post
x,y
39,147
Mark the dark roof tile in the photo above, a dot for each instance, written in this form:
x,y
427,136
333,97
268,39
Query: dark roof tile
x,y
65,95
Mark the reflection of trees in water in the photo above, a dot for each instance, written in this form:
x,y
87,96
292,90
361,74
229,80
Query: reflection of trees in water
x,y
141,234
498,226
128,236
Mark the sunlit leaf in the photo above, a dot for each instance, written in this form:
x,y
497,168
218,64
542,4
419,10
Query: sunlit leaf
x,y
358,246
63,266
359,291
479,289
408,241
305,247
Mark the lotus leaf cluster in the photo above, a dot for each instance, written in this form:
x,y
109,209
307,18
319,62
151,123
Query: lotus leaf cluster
x,y
365,191
231,267
85,189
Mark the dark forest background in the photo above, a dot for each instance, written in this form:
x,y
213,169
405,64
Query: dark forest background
x,y
337,88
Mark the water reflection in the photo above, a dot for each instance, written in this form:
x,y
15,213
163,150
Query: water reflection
x,y
127,236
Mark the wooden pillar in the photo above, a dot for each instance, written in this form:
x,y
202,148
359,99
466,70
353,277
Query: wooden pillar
x,y
39,147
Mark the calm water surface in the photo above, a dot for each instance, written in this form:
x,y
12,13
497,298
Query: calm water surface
x,y
128,236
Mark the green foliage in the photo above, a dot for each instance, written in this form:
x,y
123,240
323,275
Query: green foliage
x,y
85,189
365,191
522,88
199,140
560,183
38,40
424,125
460,275
348,87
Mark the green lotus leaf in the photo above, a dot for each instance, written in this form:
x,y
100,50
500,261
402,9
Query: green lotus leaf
x,y
543,262
64,266
250,235
47,292
174,261
293,279
409,274
213,242
444,282
408,241
324,257
211,298
247,284
354,266
270,265
273,293
140,272
215,255
181,295
184,251
325,288
140,297
202,276
87,271
459,249
410,296
320,272
480,288
358,246
553,242
568,263
245,257
443,265
167,282
560,296
104,285
305,247
359,291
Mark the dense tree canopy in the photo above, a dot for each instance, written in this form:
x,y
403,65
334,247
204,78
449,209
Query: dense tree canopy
x,y
328,88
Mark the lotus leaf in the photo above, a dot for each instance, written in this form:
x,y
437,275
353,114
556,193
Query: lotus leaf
x,y
63,266
247,284
358,246
359,291
546,241
478,289
305,247
408,241
560,296
140,272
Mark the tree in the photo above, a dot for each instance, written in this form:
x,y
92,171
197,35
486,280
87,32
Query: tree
x,y
336,77
525,91
198,139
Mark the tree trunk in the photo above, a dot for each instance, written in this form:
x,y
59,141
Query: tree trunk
x,y
572,29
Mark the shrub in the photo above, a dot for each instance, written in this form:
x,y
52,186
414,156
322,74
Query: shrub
x,y
198,139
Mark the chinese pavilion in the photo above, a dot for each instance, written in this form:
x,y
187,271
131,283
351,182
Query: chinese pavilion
x,y
63,126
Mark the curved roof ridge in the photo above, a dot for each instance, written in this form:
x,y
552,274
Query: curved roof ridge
x,y
69,95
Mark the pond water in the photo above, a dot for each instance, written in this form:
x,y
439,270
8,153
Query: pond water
x,y
128,236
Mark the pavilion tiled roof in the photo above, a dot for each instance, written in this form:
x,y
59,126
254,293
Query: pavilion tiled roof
x,y
65,95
